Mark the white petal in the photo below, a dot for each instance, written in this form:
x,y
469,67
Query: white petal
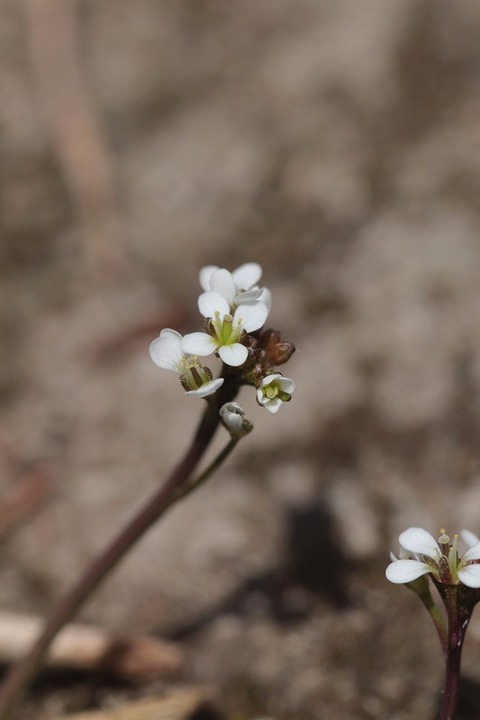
x,y
266,298
404,571
418,540
166,350
234,422
473,552
221,282
252,315
207,389
268,379
469,538
286,385
248,296
273,405
233,355
470,576
247,275
211,302
199,343
205,275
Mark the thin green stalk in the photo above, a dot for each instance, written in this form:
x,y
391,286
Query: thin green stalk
x,y
438,621
221,457
175,487
421,587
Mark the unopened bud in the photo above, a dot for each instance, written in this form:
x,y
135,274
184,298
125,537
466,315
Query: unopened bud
x,y
277,351
281,353
233,418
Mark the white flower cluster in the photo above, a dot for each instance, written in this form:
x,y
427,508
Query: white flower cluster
x,y
422,554
234,306
232,303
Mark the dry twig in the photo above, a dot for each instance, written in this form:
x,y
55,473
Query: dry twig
x,y
77,135
178,704
87,647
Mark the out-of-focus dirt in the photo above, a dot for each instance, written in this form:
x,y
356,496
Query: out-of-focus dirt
x,y
338,144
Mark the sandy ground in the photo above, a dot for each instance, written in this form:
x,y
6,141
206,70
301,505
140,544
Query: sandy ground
x,y
337,143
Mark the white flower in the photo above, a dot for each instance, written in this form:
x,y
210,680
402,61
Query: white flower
x,y
425,555
275,390
233,418
225,330
237,287
166,352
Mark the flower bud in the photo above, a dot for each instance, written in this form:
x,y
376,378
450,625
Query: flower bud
x,y
281,353
233,419
276,350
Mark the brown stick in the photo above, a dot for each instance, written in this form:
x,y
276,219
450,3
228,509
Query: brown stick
x,y
179,704
77,135
88,647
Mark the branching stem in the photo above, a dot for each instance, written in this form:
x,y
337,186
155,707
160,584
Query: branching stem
x,y
175,487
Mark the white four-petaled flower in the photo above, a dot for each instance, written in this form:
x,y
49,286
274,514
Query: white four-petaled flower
x,y
274,391
237,287
422,554
225,330
166,352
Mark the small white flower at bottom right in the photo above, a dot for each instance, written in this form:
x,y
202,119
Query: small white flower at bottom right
x,y
274,391
421,555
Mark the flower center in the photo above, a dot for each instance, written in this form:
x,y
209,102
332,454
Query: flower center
x,y
271,391
225,332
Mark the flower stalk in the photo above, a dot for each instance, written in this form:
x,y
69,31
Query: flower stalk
x,y
459,611
421,587
175,487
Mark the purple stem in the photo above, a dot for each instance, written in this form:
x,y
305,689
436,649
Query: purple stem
x,y
23,673
458,619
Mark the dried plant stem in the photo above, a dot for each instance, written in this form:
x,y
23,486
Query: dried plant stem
x,y
78,137
78,646
176,486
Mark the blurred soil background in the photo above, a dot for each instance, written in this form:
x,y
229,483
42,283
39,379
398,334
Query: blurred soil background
x,y
337,143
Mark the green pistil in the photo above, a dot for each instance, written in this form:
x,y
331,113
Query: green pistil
x,y
273,391
225,332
